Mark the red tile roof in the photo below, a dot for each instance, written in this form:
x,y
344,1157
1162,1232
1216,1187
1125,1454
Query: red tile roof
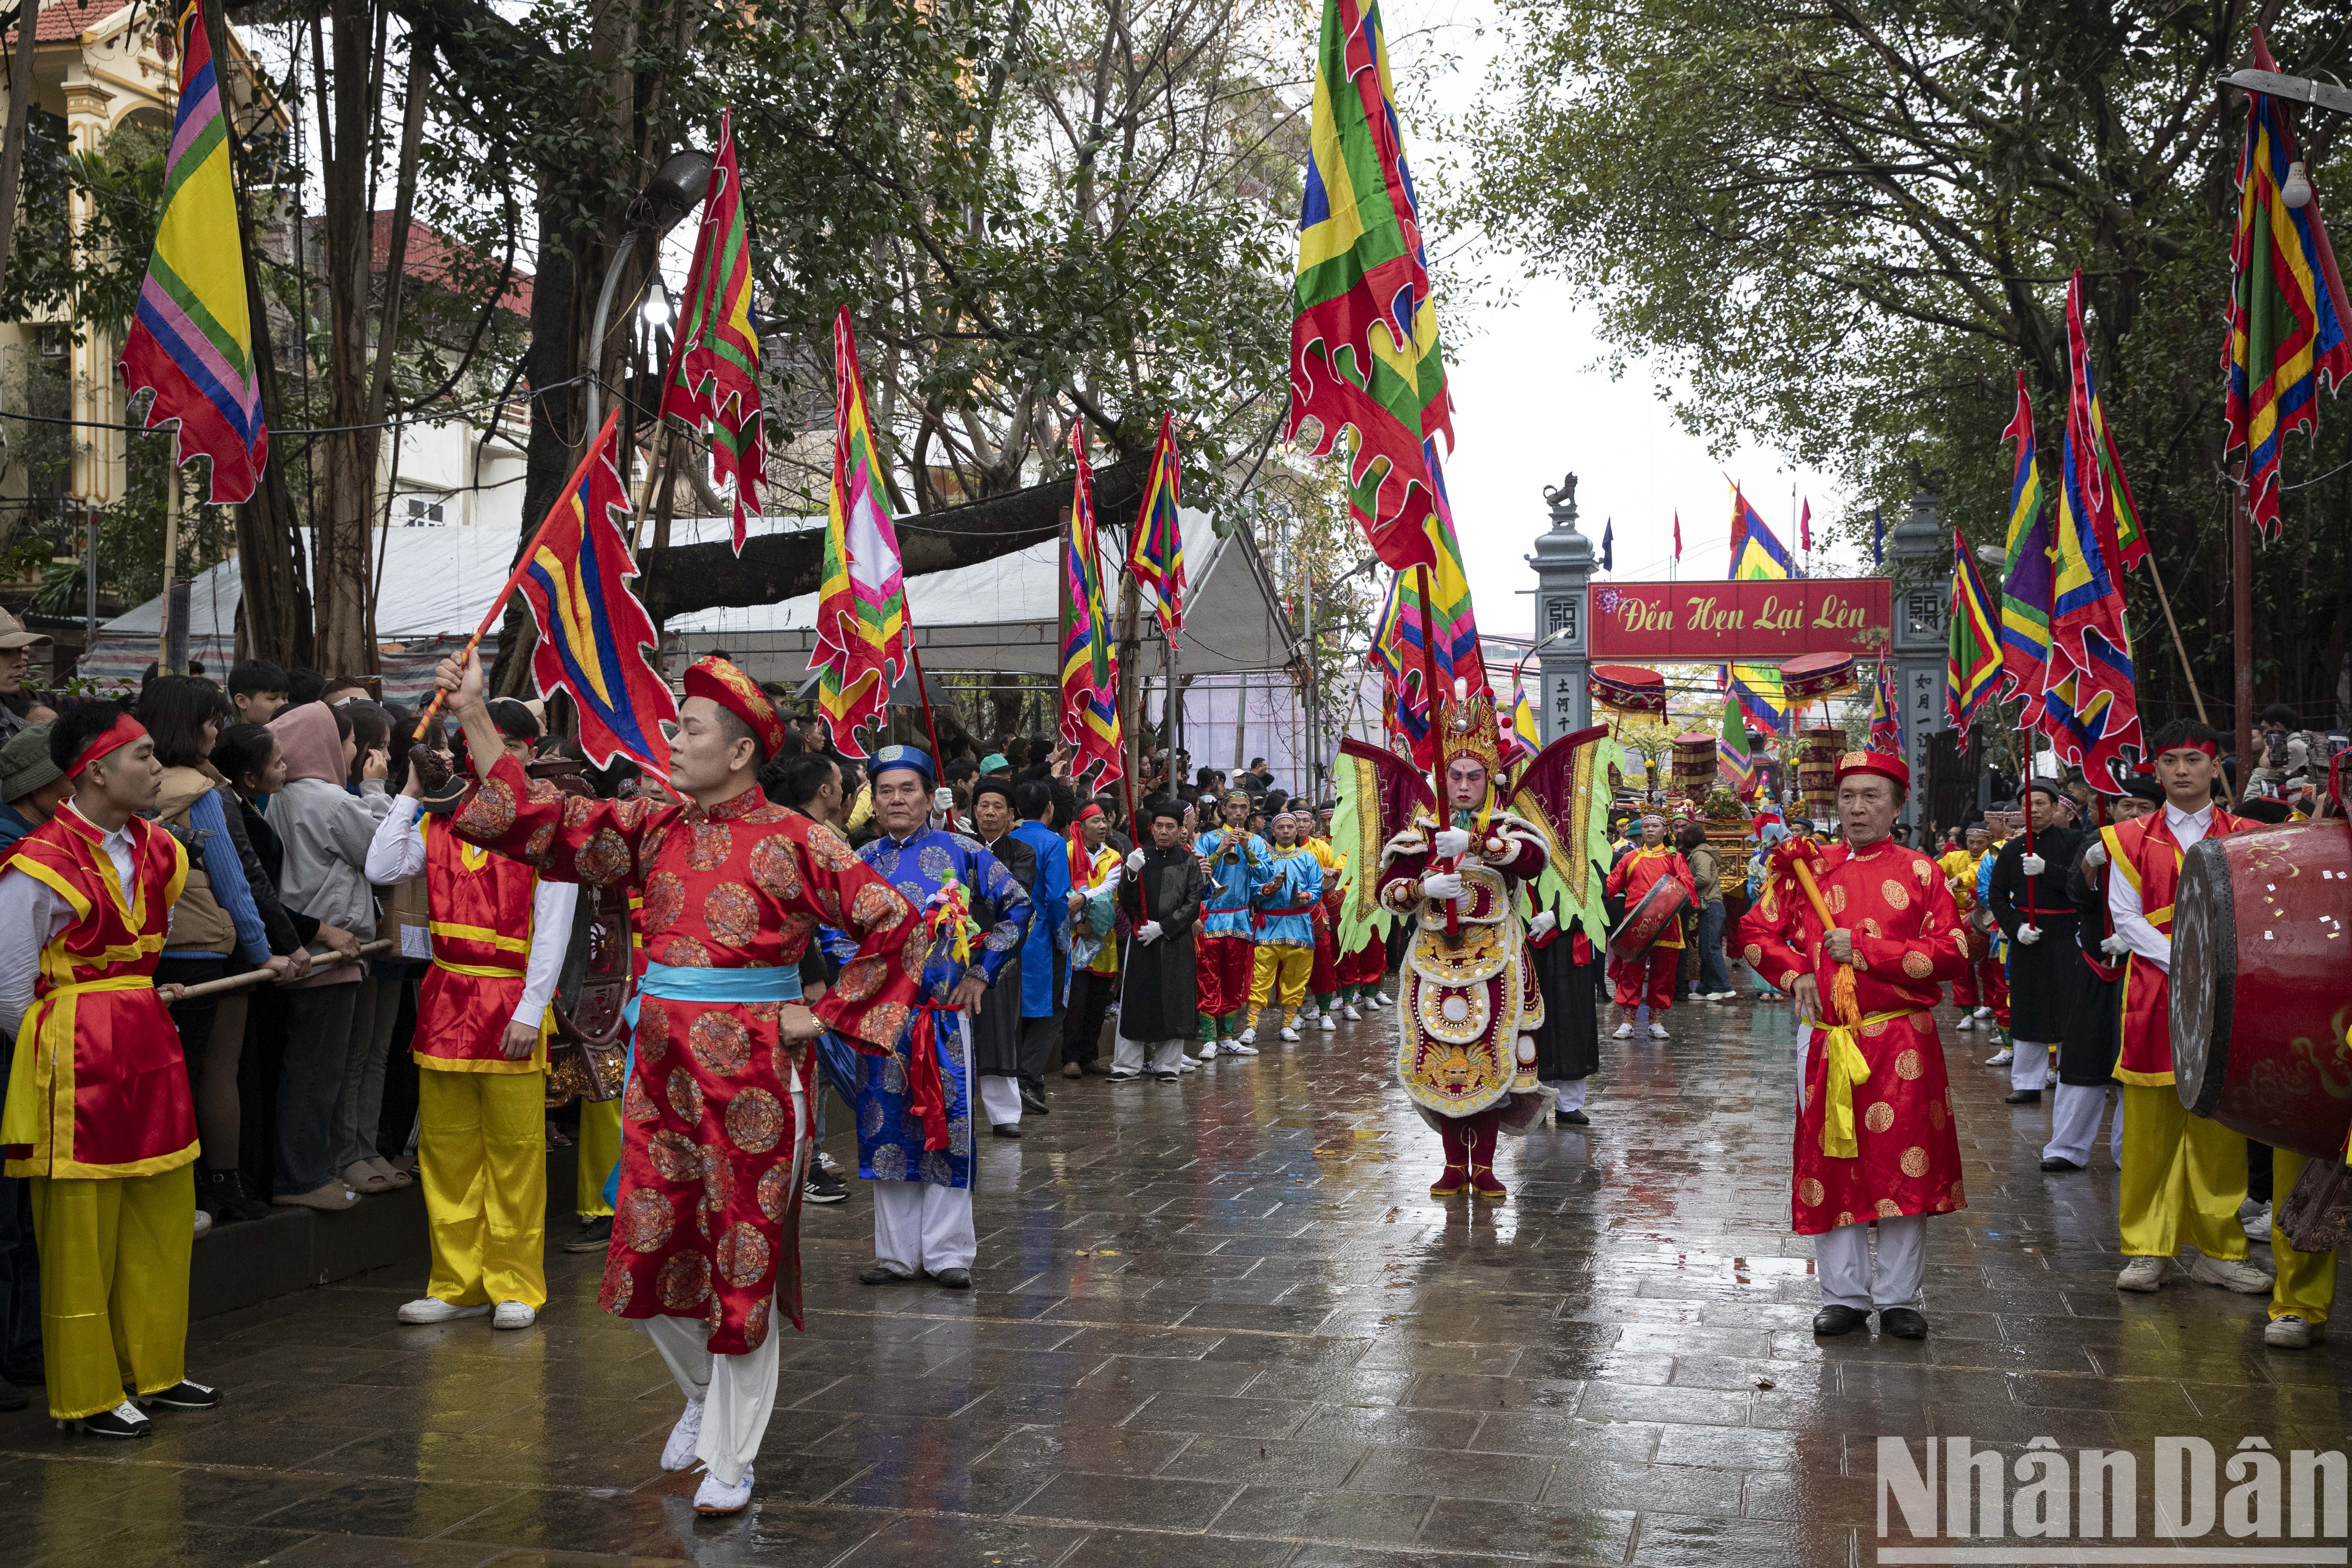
x,y
432,256
62,21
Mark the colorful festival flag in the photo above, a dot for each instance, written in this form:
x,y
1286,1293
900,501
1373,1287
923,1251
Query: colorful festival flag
x,y
2026,585
1885,711
861,613
1525,730
714,369
1762,697
2104,488
1089,663
2090,709
2286,306
1732,757
591,626
1156,545
1757,552
190,337
1365,359
1972,668
1396,654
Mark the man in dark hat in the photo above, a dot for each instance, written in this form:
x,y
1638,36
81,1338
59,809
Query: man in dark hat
x,y
2046,973
996,1032
1161,894
2093,1036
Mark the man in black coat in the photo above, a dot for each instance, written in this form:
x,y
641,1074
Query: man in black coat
x,y
996,1033
1160,900
2046,971
2092,1039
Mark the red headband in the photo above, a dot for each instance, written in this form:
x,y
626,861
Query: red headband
x,y
1091,808
2207,747
117,735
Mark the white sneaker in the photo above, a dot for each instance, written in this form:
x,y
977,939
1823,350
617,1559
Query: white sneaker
x,y
2289,1332
1249,1035
831,1165
1235,1049
678,1454
715,1495
1350,1014
1289,1034
1376,1000
514,1315
1324,1024
1186,1064
432,1310
1984,1012
1208,1051
203,1224
2144,1274
2256,1219
1621,1032
1968,1022
1658,1031
2231,1274
2001,1058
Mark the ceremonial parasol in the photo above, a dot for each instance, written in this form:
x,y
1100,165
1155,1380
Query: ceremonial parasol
x,y
1628,688
1816,675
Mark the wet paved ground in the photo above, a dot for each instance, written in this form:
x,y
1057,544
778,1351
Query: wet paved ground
x,y
1221,1323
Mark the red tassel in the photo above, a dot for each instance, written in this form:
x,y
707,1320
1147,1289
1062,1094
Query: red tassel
x,y
925,1093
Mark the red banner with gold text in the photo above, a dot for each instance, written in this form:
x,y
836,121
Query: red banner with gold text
x,y
1745,621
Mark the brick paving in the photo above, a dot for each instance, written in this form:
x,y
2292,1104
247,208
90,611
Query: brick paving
x,y
1221,1322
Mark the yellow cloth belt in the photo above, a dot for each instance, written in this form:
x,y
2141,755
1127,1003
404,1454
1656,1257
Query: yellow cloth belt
x,y
480,933
479,971
1847,1066
45,1060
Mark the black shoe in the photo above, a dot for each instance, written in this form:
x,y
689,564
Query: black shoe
x,y
2054,1163
223,1196
823,1187
1007,1129
11,1398
2024,1097
1833,1320
1571,1119
184,1395
594,1236
952,1279
1117,1076
1165,1077
125,1420
1903,1323
1033,1101
881,1275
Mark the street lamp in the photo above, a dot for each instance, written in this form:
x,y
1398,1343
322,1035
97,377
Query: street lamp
x,y
675,189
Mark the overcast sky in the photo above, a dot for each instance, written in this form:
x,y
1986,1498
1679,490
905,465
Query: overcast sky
x,y
1531,401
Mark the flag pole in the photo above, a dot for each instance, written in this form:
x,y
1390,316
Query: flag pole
x,y
2242,628
2025,731
522,564
1436,750
2181,648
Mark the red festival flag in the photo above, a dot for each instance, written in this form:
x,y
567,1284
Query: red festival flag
x,y
861,611
1972,671
1089,663
1678,536
714,371
1156,549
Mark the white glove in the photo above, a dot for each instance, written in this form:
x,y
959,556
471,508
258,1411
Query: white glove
x,y
943,800
2029,935
1148,933
1442,886
1543,924
1452,841
2096,855
2033,865
1135,860
2115,946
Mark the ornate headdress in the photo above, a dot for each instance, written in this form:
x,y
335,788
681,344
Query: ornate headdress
x,y
1466,728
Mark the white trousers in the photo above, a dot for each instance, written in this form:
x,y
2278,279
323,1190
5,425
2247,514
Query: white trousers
x,y
2032,1066
1569,1089
738,1392
1841,1261
2075,1122
920,1229
999,1100
1145,1056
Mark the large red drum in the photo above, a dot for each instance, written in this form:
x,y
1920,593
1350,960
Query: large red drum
x,y
2262,984
1647,920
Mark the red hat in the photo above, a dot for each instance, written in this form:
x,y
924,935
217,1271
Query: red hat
x,y
737,693
1884,764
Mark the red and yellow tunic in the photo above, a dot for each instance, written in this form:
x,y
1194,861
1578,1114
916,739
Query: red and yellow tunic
x,y
99,1087
480,905
1894,903
1644,869
707,1225
2143,853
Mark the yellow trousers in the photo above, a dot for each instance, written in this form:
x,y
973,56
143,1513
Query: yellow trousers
x,y
600,1151
1287,966
114,1285
2183,1178
481,1150
2306,1280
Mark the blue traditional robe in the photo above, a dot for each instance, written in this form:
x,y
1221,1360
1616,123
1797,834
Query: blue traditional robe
x,y
1287,899
1233,882
889,1135
1045,956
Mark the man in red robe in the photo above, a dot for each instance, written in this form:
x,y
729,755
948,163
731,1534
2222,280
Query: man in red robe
x,y
2183,1177
706,1233
1650,976
1876,1146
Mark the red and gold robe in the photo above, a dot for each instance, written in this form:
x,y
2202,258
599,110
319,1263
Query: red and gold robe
x,y
1894,903
2144,852
707,1225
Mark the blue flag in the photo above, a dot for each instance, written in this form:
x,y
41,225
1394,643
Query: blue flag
x,y
1609,545
1877,538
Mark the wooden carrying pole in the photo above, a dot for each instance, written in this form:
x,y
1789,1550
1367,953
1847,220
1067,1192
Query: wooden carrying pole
x,y
375,949
2242,628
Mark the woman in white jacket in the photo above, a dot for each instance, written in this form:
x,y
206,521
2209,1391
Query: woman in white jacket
x,y
326,830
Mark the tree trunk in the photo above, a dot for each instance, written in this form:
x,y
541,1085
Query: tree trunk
x,y
20,106
343,523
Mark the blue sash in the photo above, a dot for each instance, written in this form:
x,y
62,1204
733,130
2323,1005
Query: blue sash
x,y
675,983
